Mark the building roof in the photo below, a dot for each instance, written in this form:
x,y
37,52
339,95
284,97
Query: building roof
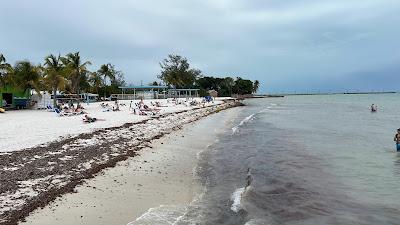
x,y
187,89
143,87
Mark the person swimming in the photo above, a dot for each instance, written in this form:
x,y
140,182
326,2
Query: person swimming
x,y
397,139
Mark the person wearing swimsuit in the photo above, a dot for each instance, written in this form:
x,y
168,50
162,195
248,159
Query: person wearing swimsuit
x,y
397,140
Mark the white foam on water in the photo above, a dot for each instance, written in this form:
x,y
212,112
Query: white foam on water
x,y
162,215
245,120
256,222
236,198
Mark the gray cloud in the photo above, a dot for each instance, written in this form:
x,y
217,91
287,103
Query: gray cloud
x,y
301,45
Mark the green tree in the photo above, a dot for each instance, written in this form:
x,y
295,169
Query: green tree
x,y
117,81
27,76
54,75
95,81
256,86
226,87
106,70
5,70
76,70
242,86
207,83
84,83
176,71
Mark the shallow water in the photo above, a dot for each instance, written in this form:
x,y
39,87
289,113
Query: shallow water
x,y
309,160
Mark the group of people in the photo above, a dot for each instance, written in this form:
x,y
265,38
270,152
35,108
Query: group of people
x,y
70,108
142,109
108,108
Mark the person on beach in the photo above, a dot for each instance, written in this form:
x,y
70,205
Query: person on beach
x,y
88,119
141,103
397,139
374,108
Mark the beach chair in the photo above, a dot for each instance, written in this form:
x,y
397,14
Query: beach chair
x,y
59,112
49,108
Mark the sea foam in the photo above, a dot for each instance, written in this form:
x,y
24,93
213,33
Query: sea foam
x,y
236,198
245,120
164,214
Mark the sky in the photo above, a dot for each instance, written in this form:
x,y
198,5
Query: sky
x,y
289,46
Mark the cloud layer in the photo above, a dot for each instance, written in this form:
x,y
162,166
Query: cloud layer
x,y
303,46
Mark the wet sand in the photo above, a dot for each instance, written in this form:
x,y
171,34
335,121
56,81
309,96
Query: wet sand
x,y
34,177
161,175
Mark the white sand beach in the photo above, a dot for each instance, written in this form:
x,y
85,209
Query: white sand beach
x,y
139,189
51,166
28,128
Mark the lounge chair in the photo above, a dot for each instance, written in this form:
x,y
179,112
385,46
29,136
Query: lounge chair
x,y
59,112
49,108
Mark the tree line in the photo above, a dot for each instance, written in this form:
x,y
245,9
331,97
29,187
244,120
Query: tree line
x,y
70,74
176,72
67,73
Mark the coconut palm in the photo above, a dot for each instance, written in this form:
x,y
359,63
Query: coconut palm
x,y
5,70
54,75
256,86
76,69
96,81
26,76
106,70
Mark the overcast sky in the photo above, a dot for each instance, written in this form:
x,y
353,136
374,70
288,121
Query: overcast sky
x,y
303,45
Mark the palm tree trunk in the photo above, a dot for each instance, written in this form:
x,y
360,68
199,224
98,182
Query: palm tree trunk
x,y
105,87
54,97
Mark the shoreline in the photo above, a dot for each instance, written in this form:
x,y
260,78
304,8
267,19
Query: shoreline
x,y
60,166
151,188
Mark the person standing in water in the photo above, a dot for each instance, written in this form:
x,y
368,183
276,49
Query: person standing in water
x,y
374,108
249,178
397,139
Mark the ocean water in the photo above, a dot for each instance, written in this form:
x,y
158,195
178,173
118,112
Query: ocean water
x,y
301,160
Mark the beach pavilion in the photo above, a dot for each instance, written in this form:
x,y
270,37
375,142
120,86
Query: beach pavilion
x,y
183,93
141,92
154,92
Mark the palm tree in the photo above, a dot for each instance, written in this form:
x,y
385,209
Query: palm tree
x,y
5,70
256,86
76,69
96,81
26,76
54,75
107,70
